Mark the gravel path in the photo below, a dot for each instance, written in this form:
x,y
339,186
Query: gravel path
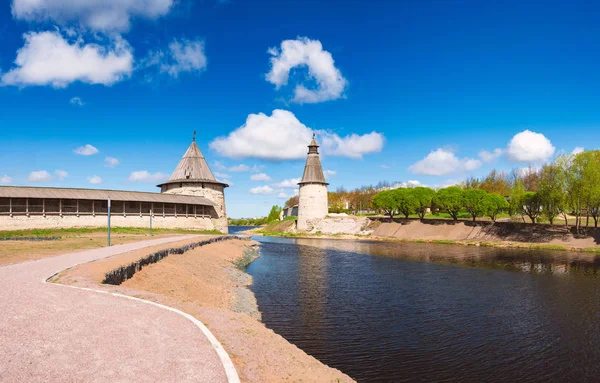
x,y
50,332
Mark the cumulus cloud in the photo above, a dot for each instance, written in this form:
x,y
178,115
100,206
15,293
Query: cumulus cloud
x,y
329,173
40,176
61,174
303,52
578,150
111,162
530,147
288,184
443,162
87,150
260,177
48,59
6,180
282,136
96,15
77,101
263,190
487,156
145,176
408,184
94,180
282,196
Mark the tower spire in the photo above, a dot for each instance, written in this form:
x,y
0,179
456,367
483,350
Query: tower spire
x,y
194,137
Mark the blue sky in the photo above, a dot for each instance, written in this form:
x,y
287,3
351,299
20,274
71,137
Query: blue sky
x,y
395,90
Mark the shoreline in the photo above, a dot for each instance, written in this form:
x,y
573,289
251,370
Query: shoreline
x,y
210,284
476,243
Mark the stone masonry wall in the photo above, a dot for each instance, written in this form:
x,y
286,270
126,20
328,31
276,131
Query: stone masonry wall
x,y
215,193
312,204
21,222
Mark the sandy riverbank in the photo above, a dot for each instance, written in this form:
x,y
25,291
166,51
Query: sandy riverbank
x,y
205,283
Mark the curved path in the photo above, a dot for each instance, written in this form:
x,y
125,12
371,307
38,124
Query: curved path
x,y
50,332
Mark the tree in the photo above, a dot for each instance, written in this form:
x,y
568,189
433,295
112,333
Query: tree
x,y
517,193
385,201
494,204
274,213
293,201
423,197
406,203
552,192
532,205
473,202
450,200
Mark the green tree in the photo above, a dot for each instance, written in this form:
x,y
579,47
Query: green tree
x,y
552,192
532,205
423,197
274,213
450,200
406,203
473,202
494,204
517,193
385,201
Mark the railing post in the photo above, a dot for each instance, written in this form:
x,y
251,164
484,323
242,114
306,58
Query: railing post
x,y
27,206
44,207
10,206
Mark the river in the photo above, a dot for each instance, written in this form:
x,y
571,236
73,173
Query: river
x,y
395,312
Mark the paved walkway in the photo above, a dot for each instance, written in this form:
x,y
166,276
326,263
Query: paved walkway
x,y
52,333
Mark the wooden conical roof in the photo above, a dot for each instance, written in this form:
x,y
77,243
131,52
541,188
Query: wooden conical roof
x,y
313,171
192,168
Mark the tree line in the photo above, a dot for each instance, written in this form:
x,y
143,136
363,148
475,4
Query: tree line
x,y
569,186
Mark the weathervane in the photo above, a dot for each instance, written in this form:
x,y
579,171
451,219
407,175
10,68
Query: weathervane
x,y
194,138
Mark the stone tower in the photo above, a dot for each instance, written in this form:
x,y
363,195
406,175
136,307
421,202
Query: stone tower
x,y
312,203
193,177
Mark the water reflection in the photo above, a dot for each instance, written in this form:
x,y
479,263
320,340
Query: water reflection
x,y
398,312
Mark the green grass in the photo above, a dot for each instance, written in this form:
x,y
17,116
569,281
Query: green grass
x,y
114,230
249,256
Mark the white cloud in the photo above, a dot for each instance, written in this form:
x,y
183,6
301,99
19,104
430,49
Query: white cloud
x,y
303,52
578,150
39,176
264,190
222,175
529,147
260,177
329,173
524,172
6,180
282,136
487,156
48,59
384,166
241,168
96,15
111,162
76,101
288,184
61,174
186,56
95,180
443,162
282,196
353,145
408,184
87,150
145,176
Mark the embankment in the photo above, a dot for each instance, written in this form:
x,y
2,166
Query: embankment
x,y
208,283
480,231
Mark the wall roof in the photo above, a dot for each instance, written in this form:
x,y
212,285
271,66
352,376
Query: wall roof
x,y
313,171
192,168
97,194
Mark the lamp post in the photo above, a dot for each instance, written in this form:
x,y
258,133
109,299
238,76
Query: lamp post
x,y
108,221
151,222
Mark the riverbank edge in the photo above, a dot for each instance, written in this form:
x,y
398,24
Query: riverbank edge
x,y
245,301
495,244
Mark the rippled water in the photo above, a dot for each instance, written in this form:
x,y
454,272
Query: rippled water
x,y
419,312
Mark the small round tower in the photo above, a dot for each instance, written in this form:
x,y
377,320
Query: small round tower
x,y
312,204
193,177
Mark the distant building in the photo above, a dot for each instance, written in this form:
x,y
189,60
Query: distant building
x,y
191,199
291,211
313,190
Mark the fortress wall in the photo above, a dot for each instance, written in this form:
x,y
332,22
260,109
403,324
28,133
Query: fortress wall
x,y
22,222
215,193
